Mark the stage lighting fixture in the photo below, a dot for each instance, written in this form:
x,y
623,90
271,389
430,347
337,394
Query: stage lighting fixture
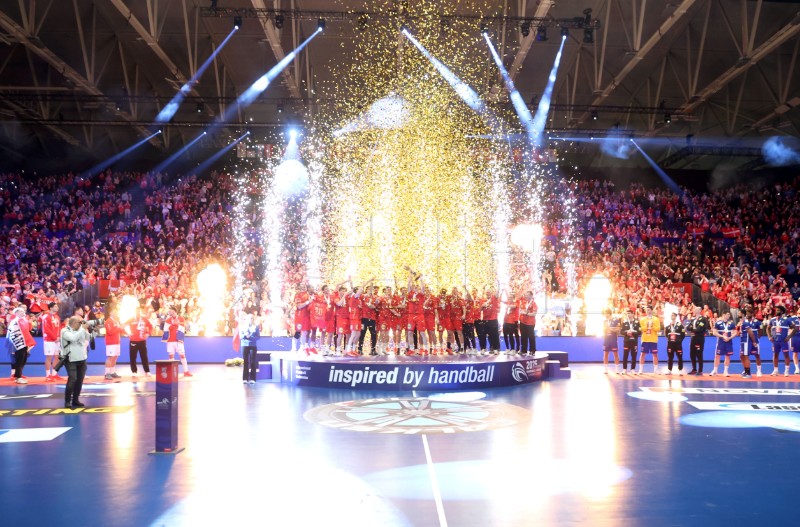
x,y
293,134
279,21
237,22
404,28
199,107
594,115
564,32
321,24
525,28
667,118
588,36
279,108
541,33
484,29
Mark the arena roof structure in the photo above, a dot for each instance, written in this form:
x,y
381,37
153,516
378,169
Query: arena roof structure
x,y
88,77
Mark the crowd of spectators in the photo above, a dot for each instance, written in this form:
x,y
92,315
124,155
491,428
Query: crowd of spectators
x,y
152,234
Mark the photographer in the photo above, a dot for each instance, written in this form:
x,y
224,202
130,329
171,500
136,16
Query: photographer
x,y
74,343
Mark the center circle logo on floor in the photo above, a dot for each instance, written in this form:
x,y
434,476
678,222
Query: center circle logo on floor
x,y
416,415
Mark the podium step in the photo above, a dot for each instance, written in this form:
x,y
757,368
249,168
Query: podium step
x,y
264,372
553,370
561,356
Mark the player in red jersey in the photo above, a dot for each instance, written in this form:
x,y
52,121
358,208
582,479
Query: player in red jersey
x,y
369,319
385,320
113,333
51,333
491,312
416,319
527,323
429,306
174,328
302,316
457,316
319,323
511,324
355,305
472,316
342,318
443,316
139,329
400,310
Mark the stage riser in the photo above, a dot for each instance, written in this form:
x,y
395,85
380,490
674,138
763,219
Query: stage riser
x,y
384,373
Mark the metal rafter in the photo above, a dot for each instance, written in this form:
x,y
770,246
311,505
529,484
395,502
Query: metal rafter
x,y
274,39
151,39
33,117
525,44
39,49
642,52
745,63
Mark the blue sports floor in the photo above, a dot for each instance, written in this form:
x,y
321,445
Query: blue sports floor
x,y
594,450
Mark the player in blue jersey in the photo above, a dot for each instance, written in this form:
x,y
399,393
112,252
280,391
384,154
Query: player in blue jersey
x,y
779,331
748,328
610,339
724,330
794,341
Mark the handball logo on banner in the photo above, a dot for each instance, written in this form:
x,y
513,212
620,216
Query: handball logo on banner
x,y
165,403
519,373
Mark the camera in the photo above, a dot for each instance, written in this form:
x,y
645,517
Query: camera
x,y
91,324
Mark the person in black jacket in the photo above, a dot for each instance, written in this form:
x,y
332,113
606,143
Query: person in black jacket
x,y
675,333
697,328
630,331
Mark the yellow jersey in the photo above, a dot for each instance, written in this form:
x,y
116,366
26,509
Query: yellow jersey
x,y
650,328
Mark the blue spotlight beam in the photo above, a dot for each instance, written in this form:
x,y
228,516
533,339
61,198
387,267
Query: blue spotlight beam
x,y
540,119
168,111
113,159
663,175
171,159
202,167
467,94
258,87
520,107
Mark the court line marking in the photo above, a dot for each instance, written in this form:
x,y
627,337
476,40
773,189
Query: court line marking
x,y
437,495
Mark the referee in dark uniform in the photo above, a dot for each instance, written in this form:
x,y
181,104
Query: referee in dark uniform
x,y
697,328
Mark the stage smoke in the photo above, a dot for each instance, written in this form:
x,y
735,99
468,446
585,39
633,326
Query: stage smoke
x,y
388,113
781,151
615,145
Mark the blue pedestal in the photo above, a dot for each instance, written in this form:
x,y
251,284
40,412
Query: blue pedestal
x,y
167,407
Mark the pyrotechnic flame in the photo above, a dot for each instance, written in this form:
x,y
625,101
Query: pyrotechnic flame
x,y
127,308
212,284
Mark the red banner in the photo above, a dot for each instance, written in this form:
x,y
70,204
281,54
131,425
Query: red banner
x,y
106,287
